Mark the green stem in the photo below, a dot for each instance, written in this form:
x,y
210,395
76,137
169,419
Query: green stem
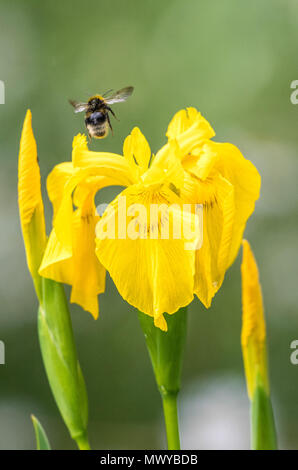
x,y
82,442
169,401
166,353
263,434
61,361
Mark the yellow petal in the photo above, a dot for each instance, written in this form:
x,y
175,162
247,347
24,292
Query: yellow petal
x,y
190,133
154,275
246,181
184,119
218,220
30,201
91,184
63,217
56,182
77,266
137,151
201,164
227,185
253,335
80,142
111,168
64,214
70,255
101,163
165,168
89,274
57,263
62,197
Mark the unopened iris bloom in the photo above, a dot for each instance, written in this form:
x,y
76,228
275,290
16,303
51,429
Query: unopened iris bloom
x,y
30,202
253,335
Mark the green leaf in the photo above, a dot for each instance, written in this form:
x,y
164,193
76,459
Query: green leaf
x,y
42,442
60,359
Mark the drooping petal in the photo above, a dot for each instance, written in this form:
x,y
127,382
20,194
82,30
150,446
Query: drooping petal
x,y
218,220
86,164
70,255
245,178
89,274
77,266
227,185
152,273
57,263
64,213
63,209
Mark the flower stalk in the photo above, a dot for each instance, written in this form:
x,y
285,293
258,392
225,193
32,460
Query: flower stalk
x,y
166,353
263,433
169,401
254,349
60,360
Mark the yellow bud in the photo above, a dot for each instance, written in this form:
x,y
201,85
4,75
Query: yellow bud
x,y
30,202
253,335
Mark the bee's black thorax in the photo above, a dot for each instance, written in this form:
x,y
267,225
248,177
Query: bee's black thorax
x,y
96,104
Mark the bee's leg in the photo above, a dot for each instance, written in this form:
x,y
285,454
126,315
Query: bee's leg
x,y
110,125
111,111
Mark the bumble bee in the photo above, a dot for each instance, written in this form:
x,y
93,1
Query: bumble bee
x,y
97,109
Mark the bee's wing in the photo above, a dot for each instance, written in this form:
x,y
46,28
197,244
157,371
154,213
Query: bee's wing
x,y
78,107
120,95
107,93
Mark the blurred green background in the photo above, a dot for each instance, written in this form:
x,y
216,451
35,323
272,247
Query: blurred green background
x,y
232,59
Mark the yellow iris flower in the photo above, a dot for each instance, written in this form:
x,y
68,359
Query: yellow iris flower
x,y
156,275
